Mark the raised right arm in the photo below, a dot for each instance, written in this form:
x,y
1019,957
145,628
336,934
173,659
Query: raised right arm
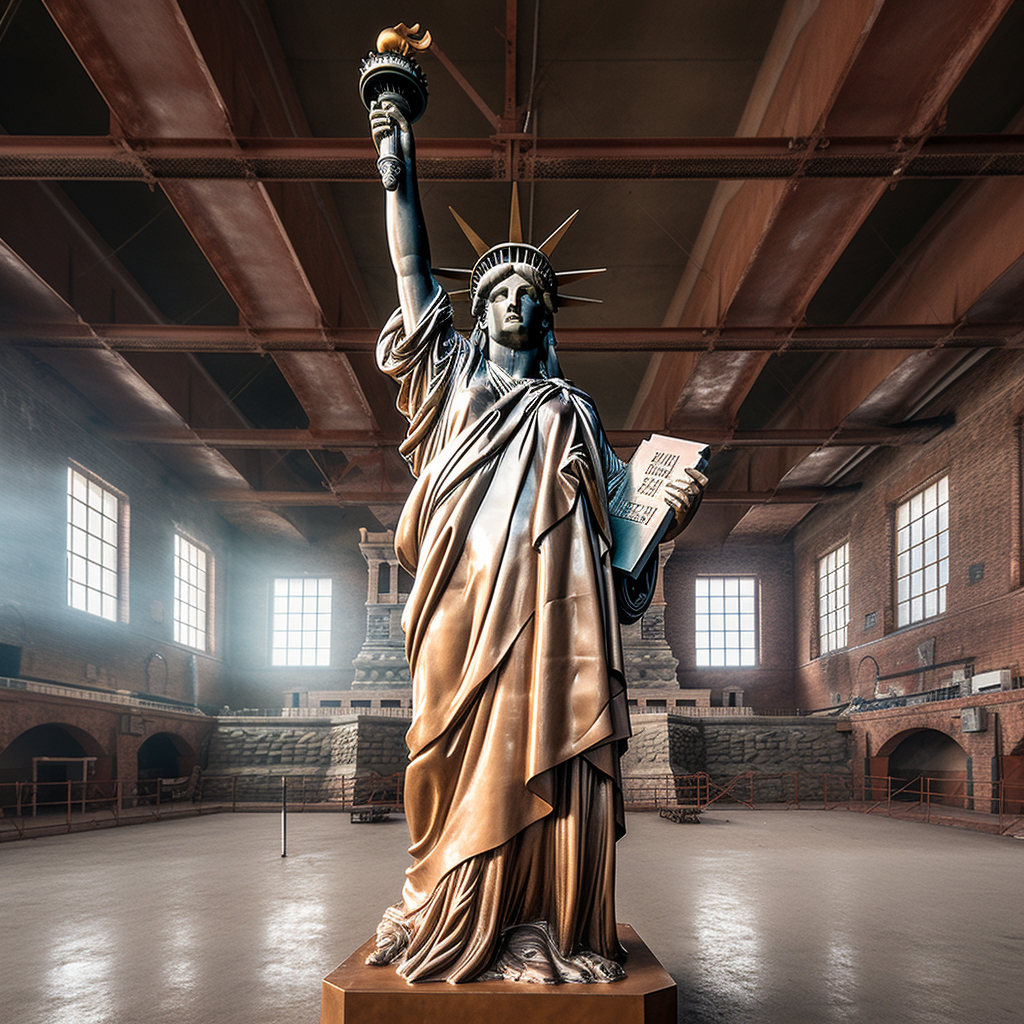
x,y
406,229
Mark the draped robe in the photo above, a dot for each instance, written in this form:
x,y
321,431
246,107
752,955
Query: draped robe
x,y
512,792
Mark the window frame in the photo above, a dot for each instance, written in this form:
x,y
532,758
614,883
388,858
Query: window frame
x,y
208,593
909,569
120,544
823,632
282,629
709,614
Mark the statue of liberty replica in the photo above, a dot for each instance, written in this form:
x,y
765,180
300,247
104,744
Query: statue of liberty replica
x,y
512,792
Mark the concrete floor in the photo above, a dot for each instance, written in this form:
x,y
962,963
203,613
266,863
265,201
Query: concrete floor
x,y
776,917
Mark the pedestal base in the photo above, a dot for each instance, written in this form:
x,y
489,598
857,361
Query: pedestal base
x,y
357,994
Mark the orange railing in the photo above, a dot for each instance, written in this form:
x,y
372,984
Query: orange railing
x,y
28,808
1000,799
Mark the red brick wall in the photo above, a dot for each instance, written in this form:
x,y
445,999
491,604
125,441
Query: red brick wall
x,y
877,733
768,685
984,620
117,752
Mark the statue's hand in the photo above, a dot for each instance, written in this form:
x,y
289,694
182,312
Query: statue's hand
x,y
385,120
683,499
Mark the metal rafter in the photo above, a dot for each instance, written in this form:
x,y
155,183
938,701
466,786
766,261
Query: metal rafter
x,y
766,251
327,440
110,158
145,62
984,226
772,338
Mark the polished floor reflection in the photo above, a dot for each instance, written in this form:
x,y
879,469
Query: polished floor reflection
x,y
782,917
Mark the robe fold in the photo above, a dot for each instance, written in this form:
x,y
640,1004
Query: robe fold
x,y
512,792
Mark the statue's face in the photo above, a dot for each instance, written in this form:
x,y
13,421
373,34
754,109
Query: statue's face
x,y
515,313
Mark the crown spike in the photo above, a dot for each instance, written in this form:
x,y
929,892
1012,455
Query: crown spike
x,y
568,276
456,273
462,295
548,246
474,239
576,300
515,224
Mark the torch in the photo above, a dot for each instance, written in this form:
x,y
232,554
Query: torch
x,y
391,75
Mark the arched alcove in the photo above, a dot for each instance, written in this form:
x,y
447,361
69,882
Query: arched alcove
x,y
165,756
930,754
53,740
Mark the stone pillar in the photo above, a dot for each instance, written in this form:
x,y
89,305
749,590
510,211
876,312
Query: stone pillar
x,y
648,657
381,664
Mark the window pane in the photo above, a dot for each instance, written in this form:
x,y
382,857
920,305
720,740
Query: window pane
x,y
93,554
305,631
725,633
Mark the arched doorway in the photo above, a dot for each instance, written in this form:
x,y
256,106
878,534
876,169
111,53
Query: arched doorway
x,y
931,755
51,756
165,756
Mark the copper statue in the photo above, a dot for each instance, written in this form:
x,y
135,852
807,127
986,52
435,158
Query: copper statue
x,y
512,792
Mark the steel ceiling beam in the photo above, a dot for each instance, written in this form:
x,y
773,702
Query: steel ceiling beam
x,y
890,436
147,65
298,499
122,393
108,158
764,339
766,254
967,261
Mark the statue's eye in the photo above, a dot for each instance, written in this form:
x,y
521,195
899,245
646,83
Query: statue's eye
x,y
501,293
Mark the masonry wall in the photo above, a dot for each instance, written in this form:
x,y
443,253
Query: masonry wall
x,y
255,682
812,747
43,425
249,756
984,620
725,748
768,685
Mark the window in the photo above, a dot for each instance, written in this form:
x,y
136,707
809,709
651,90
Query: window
x,y
302,622
726,621
97,547
922,554
192,571
833,599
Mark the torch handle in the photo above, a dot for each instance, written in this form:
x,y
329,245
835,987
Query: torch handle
x,y
388,164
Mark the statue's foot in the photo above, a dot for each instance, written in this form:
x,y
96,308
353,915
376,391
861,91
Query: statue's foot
x,y
529,953
392,938
525,956
600,968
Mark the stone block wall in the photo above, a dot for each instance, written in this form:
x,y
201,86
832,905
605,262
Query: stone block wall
x,y
249,757
664,745
812,747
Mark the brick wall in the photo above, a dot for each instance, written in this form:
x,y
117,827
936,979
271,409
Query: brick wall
x,y
985,620
768,685
255,683
44,424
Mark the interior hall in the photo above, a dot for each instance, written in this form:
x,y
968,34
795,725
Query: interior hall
x,y
810,217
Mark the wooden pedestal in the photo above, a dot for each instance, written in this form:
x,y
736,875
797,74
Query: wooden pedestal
x,y
357,994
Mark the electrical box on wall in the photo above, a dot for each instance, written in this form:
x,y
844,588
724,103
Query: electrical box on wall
x,y
973,720
991,682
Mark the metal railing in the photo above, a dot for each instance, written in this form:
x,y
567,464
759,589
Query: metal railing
x,y
28,808
695,712
315,712
102,696
752,789
947,793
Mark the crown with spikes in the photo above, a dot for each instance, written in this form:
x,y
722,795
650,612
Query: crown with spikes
x,y
515,250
